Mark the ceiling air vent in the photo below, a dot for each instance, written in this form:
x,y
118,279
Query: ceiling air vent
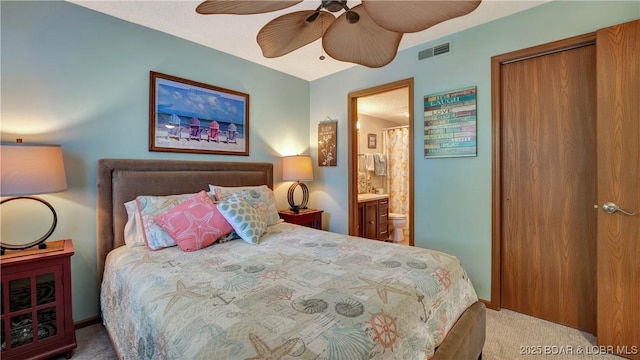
x,y
435,51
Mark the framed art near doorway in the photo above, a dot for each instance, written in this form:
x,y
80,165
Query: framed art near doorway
x,y
327,143
372,141
450,124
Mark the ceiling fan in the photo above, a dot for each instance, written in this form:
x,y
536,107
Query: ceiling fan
x,y
367,34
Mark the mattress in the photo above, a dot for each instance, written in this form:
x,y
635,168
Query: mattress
x,y
301,293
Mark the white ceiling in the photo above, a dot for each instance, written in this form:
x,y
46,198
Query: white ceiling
x,y
236,34
391,105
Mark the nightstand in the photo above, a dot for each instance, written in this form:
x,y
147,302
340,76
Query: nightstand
x,y
36,316
306,217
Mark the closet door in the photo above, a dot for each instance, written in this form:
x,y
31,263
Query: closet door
x,y
548,264
618,78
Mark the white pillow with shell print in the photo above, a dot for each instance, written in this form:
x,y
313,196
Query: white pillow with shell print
x,y
247,222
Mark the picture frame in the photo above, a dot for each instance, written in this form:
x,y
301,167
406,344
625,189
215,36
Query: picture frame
x,y
187,116
450,124
372,141
327,143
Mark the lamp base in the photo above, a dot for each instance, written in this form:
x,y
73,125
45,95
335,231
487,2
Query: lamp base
x,y
39,242
305,197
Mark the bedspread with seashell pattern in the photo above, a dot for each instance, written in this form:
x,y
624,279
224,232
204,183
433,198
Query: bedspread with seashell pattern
x,y
299,294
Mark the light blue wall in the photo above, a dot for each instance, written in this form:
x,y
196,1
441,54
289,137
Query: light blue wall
x,y
452,195
79,78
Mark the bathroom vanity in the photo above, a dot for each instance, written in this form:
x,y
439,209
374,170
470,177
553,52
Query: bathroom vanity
x,y
373,216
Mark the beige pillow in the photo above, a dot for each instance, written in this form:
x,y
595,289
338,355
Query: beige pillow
x,y
133,232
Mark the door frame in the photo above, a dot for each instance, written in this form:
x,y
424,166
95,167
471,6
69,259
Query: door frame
x,y
352,104
496,141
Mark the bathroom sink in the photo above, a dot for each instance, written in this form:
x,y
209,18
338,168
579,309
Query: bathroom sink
x,y
369,197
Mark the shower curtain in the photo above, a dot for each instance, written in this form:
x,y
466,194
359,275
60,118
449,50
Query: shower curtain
x,y
396,146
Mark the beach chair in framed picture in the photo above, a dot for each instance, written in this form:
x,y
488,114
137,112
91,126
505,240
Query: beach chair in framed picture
x,y
214,132
232,133
173,127
195,130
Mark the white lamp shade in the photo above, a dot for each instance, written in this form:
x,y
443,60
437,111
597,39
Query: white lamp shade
x,y
297,168
31,170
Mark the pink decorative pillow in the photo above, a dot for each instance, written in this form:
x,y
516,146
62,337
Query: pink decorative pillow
x,y
151,206
195,223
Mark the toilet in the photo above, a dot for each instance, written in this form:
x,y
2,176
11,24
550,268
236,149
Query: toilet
x,y
397,224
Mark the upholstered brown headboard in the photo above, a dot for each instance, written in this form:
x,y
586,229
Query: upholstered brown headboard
x,y
121,180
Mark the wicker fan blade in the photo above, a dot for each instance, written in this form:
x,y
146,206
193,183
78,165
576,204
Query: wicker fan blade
x,y
243,7
407,16
363,43
289,32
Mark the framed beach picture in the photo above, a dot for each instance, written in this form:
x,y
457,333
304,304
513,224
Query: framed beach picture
x,y
192,117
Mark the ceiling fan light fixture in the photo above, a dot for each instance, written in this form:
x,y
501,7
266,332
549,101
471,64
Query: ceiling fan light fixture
x,y
368,34
352,17
334,5
311,18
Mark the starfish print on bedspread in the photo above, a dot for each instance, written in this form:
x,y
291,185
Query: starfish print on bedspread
x,y
286,259
265,353
181,291
381,287
146,259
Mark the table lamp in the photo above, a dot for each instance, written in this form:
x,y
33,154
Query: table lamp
x,y
297,168
31,169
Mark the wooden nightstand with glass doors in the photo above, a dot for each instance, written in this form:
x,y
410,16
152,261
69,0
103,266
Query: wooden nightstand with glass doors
x,y
36,312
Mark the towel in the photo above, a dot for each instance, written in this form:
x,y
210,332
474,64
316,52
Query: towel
x,y
369,162
380,164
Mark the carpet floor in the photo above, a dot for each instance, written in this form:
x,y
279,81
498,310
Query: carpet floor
x,y
510,335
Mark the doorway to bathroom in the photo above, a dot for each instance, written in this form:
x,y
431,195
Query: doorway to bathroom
x,y
381,162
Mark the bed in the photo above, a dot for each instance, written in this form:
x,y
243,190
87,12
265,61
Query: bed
x,y
301,293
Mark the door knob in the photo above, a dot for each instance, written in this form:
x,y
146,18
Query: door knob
x,y
610,208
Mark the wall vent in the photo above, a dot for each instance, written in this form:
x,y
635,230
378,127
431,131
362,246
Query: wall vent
x,y
435,51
